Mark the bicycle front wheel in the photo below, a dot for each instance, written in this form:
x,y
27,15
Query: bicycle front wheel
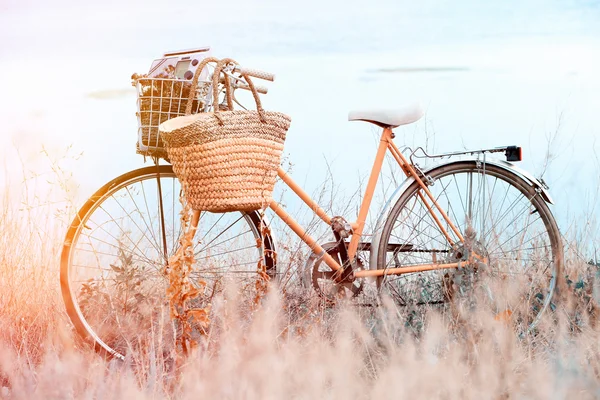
x,y
114,257
500,216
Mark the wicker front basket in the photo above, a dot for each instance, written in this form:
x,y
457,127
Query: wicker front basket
x,y
226,160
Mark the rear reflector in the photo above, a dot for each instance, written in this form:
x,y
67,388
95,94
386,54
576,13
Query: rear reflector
x,y
513,153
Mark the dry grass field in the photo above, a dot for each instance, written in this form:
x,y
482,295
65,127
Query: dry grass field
x,y
291,346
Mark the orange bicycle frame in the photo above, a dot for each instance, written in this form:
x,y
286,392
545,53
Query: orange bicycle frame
x,y
425,196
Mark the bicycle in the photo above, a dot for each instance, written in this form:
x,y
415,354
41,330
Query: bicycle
x,y
465,220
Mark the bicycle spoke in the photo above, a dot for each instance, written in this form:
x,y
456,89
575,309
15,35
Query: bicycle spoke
x,y
99,252
506,214
219,235
114,222
143,219
228,267
226,252
421,218
513,236
210,229
229,239
118,241
510,226
156,246
114,265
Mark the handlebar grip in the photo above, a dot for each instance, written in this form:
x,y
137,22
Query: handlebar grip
x,y
256,73
259,89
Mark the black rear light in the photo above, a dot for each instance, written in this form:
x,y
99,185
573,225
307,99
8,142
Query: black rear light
x,y
513,153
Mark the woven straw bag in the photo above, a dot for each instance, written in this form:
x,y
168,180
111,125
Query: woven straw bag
x,y
226,160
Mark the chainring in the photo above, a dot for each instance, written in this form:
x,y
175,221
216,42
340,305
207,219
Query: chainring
x,y
322,278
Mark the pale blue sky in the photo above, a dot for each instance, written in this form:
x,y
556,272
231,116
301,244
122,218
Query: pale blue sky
x,y
525,66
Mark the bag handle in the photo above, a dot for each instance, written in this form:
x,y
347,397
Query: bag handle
x,y
216,76
203,63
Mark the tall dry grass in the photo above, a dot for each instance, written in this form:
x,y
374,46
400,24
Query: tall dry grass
x,y
33,215
292,346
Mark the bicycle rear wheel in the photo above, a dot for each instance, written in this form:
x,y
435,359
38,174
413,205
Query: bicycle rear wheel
x,y
116,249
501,217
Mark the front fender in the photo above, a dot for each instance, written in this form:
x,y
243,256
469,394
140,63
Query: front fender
x,y
508,166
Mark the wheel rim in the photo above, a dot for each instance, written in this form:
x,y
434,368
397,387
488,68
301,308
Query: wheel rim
x,y
499,215
116,261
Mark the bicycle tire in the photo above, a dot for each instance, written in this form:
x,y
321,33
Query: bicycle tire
x,y
137,259
538,262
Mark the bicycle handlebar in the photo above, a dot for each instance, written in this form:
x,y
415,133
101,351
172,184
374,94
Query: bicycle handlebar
x,y
259,89
240,84
255,73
